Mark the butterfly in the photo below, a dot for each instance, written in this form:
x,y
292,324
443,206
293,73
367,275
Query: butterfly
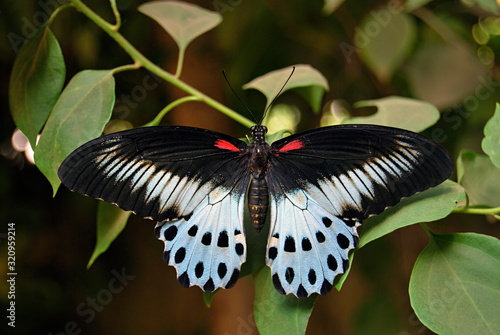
x,y
318,185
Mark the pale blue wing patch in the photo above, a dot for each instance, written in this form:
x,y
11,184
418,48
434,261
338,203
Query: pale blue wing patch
x,y
208,247
308,246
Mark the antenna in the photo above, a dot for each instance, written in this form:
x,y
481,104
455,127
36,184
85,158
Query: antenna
x,y
234,92
270,104
278,94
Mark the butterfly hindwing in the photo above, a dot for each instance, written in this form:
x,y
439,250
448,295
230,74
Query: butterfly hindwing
x,y
192,181
327,181
308,246
208,248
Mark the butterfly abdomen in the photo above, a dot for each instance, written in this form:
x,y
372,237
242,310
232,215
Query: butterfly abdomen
x,y
258,200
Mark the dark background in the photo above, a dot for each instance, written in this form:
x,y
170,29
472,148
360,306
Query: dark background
x,y
55,236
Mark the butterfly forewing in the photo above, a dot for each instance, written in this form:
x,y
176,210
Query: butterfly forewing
x,y
323,183
191,180
161,173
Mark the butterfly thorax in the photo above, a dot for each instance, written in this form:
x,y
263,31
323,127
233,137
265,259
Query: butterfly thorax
x,y
258,196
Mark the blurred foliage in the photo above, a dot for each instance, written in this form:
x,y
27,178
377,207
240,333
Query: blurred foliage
x,y
441,52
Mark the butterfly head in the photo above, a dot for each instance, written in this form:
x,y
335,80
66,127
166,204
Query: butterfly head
x,y
259,133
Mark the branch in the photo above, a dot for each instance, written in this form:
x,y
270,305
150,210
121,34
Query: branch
x,y
143,61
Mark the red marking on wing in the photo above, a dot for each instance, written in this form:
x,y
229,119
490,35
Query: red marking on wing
x,y
294,145
222,144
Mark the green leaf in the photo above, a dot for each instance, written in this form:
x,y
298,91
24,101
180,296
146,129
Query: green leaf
x,y
276,313
411,5
487,5
383,40
330,6
455,286
80,114
393,111
208,297
445,75
343,277
304,76
480,178
430,205
110,222
36,82
491,141
281,117
410,114
183,21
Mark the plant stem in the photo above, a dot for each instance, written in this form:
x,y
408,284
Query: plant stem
x,y
180,62
426,228
56,12
480,211
128,67
141,60
440,28
168,108
116,13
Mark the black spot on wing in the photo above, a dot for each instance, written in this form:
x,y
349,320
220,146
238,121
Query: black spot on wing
x,y
223,240
289,244
345,265
306,244
158,231
277,284
311,276
325,287
301,292
332,263
207,238
343,241
180,254
222,270
289,275
170,233
193,230
198,270
272,253
239,248
184,280
209,286
320,237
233,279
166,256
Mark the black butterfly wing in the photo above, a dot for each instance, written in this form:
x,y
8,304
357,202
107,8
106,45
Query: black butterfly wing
x,y
191,180
324,182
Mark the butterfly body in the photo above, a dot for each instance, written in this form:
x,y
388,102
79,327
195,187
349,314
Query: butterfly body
x,y
318,186
258,196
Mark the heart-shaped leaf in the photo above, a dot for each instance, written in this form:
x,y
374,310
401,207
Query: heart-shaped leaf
x,y
383,40
79,115
393,111
304,75
36,82
491,141
455,286
279,314
110,222
183,21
